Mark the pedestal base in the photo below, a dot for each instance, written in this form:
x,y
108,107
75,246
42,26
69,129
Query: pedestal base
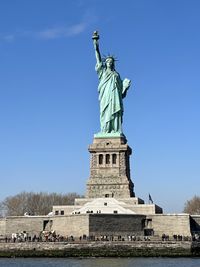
x,y
109,168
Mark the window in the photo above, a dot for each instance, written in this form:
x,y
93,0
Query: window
x,y
106,195
100,159
105,203
56,212
114,158
107,159
62,212
115,211
89,211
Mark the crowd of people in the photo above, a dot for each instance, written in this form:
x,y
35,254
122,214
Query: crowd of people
x,y
51,236
175,238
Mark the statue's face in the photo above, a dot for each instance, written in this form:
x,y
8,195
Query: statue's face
x,y
109,63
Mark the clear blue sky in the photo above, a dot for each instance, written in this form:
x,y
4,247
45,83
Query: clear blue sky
x,y
49,102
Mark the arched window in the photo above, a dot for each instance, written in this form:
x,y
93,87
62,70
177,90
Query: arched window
x,y
114,158
107,159
100,159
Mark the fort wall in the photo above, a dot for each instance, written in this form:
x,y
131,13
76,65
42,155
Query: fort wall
x,y
31,224
170,224
116,225
75,225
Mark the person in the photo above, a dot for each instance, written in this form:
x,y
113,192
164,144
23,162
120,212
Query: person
x,y
111,92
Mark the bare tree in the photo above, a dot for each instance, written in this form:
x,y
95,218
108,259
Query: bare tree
x,y
192,206
34,203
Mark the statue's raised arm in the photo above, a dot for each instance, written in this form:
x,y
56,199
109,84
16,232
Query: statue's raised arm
x,y
95,38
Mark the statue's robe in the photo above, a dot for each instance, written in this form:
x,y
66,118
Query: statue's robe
x,y
110,96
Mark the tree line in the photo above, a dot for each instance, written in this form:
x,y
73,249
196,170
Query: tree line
x,y
192,206
34,203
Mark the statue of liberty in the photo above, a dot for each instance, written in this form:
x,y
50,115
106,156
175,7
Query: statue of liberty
x,y
111,92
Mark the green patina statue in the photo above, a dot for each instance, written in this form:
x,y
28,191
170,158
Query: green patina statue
x,y
111,92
